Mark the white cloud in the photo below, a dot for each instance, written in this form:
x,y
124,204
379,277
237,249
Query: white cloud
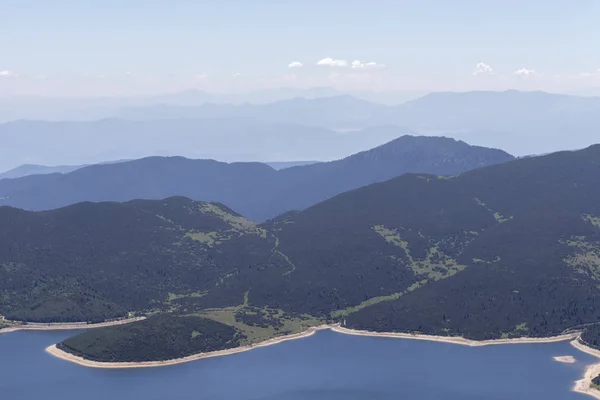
x,y
590,74
7,74
524,72
330,62
370,65
201,77
483,69
237,75
295,64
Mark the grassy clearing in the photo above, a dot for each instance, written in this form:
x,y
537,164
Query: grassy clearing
x,y
497,216
165,219
586,259
592,219
237,223
435,266
238,226
587,263
173,296
256,334
522,327
210,238
364,304
501,218
391,236
286,324
519,331
480,261
377,300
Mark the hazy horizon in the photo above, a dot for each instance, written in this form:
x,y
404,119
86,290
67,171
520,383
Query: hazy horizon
x,y
295,93
111,48
85,82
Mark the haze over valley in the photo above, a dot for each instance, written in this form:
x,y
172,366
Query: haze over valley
x,y
323,129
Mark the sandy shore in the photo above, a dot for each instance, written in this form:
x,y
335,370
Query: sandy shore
x,y
584,385
565,359
67,326
336,328
55,351
581,386
455,340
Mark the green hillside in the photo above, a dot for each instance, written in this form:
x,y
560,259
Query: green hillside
x,y
503,251
90,262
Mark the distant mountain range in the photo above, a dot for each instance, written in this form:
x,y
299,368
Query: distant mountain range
x,y
305,128
519,122
254,190
231,139
32,169
338,112
91,108
503,251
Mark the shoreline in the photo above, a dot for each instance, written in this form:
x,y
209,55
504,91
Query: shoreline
x,y
582,386
34,326
565,359
456,339
63,355
55,351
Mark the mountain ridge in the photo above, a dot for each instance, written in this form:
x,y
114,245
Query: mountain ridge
x,y
255,190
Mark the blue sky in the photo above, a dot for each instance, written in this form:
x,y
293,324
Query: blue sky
x,y
90,46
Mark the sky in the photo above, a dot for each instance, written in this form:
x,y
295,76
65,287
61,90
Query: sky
x,y
128,47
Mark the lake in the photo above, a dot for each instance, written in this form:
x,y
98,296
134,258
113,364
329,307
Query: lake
x,y
326,366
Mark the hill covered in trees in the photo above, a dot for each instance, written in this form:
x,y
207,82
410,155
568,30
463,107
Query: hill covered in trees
x,y
503,251
255,190
91,262
158,338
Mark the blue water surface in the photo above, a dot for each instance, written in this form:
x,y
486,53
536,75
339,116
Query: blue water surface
x,y
326,366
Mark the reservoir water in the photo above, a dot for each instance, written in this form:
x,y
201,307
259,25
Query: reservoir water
x,y
326,366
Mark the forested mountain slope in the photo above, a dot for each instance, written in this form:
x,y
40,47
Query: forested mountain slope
x,y
502,251
96,261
